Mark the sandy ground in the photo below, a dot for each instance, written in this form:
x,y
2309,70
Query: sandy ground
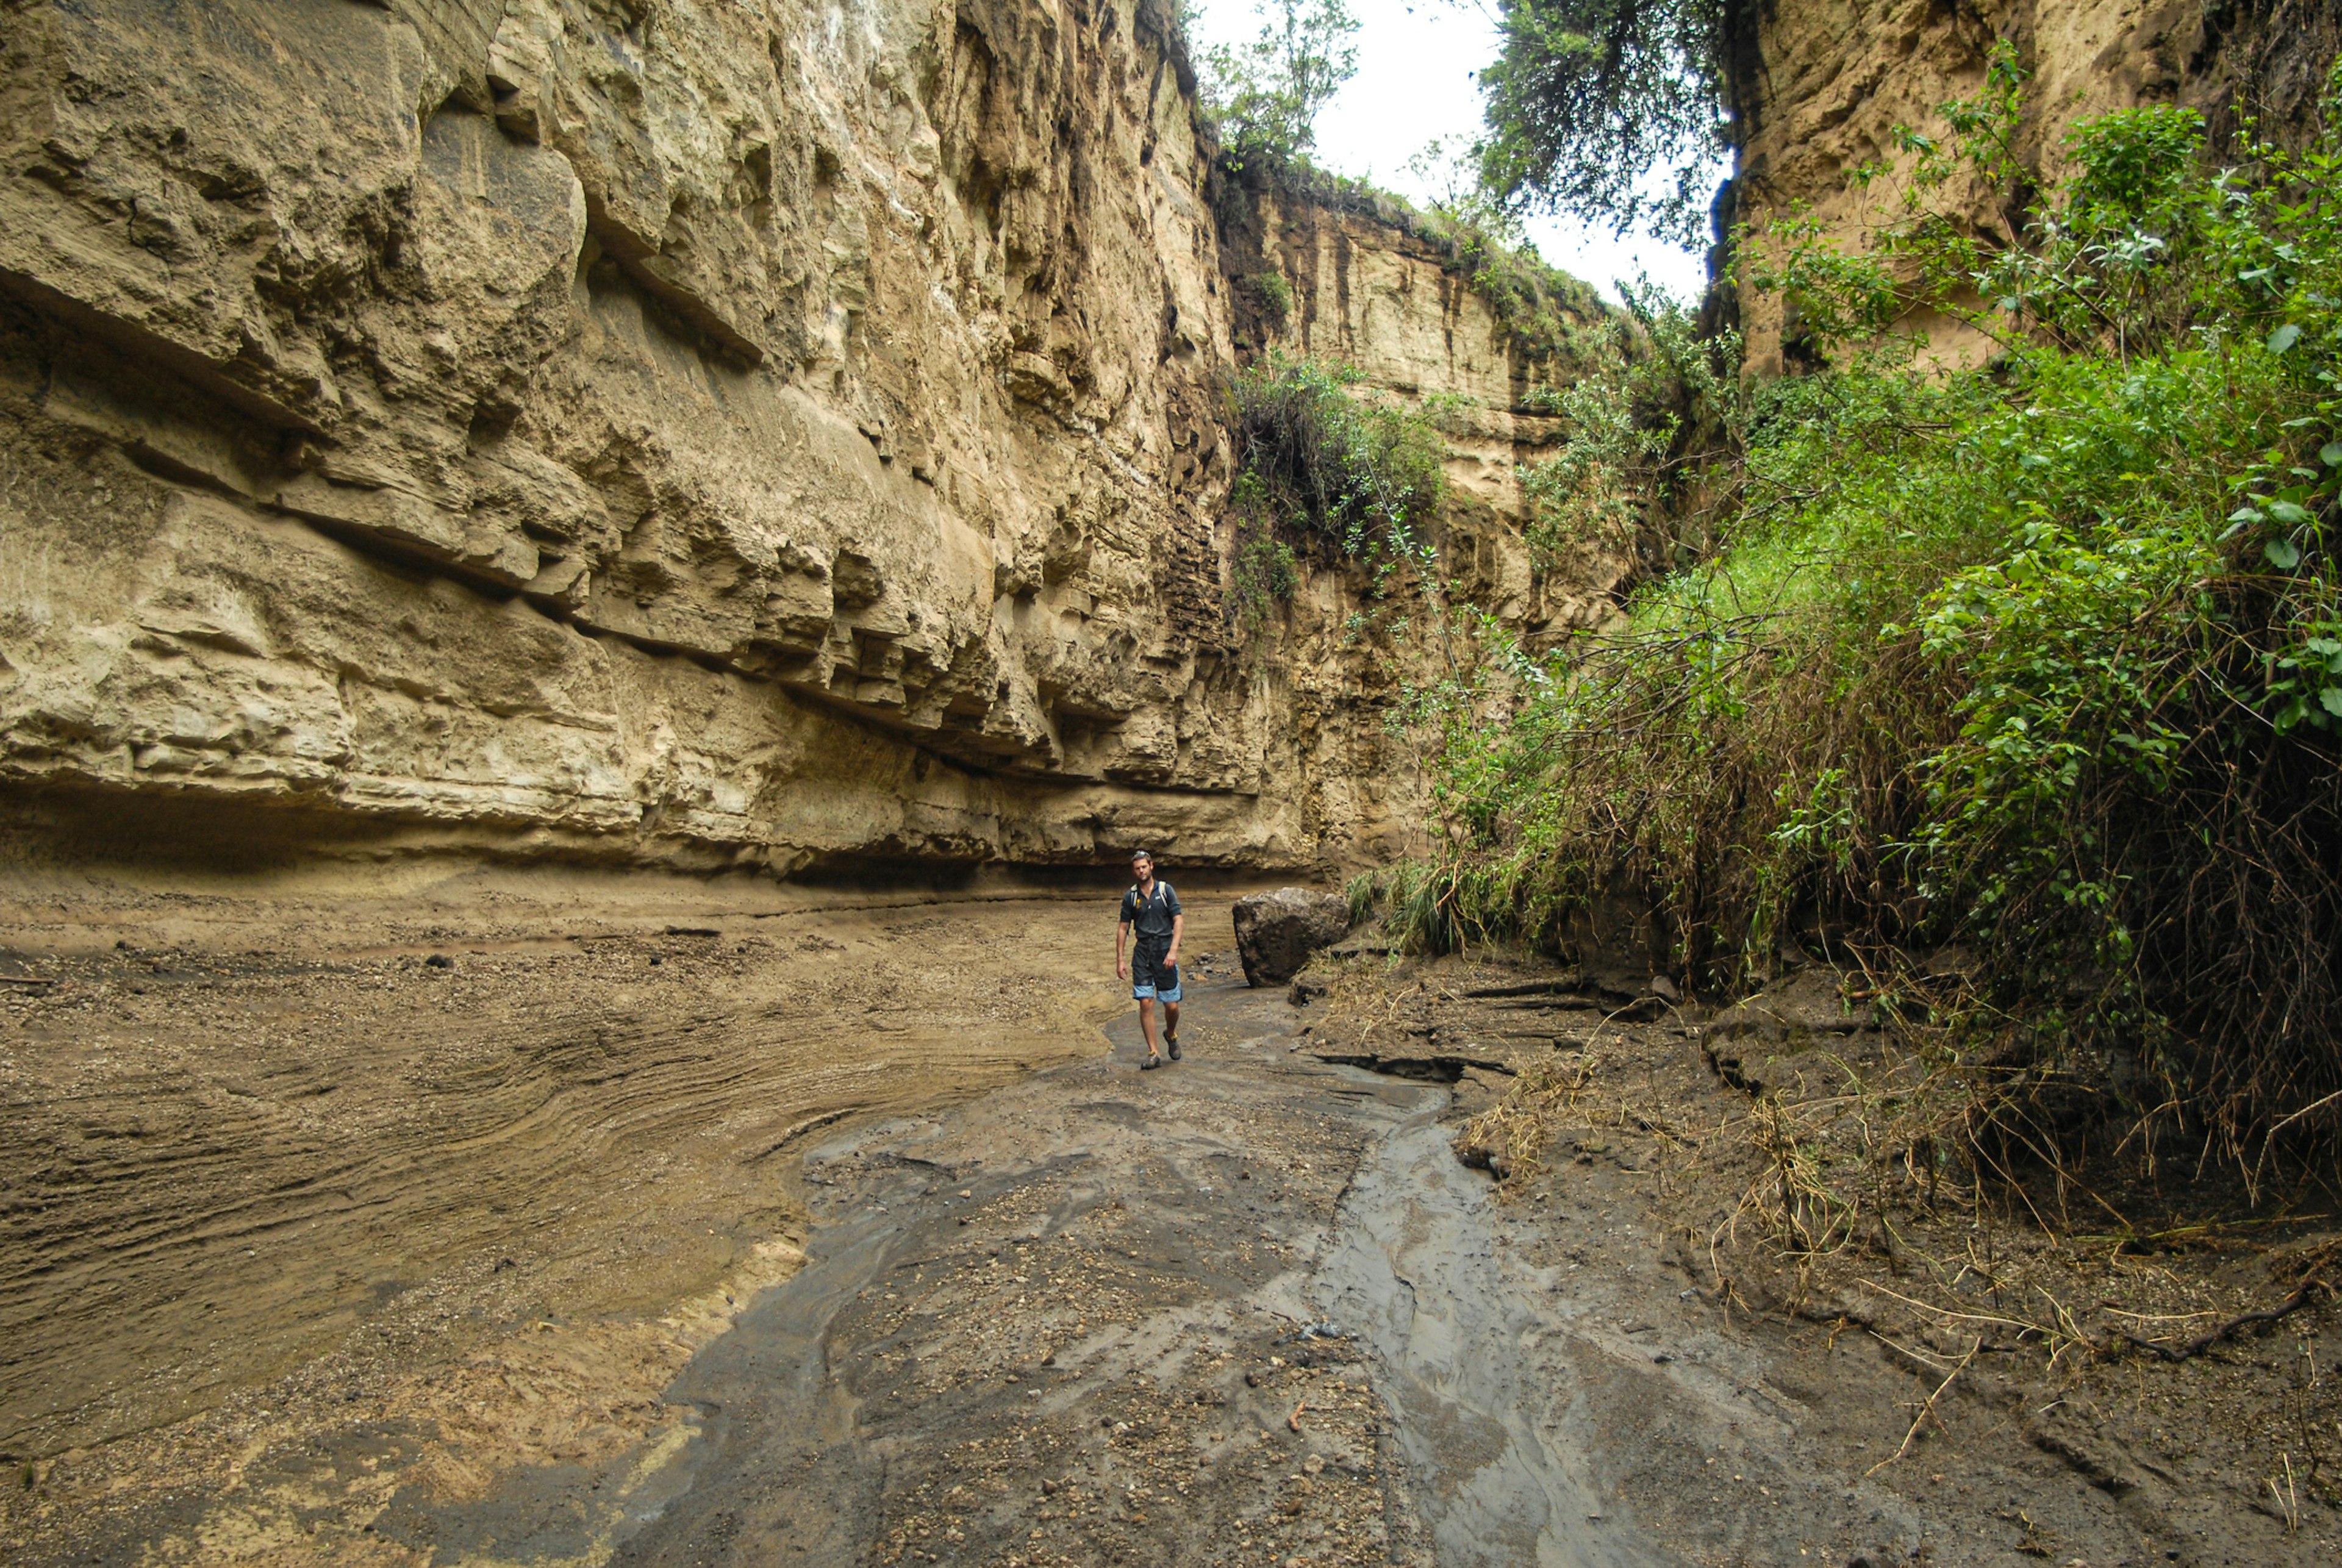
x,y
468,1161
492,1217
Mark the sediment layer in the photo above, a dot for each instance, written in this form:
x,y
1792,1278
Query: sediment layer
x,y
714,433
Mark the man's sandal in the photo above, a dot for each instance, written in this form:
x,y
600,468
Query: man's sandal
x,y
1152,1062
1171,1042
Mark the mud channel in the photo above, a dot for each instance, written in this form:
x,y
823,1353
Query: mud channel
x,y
862,1268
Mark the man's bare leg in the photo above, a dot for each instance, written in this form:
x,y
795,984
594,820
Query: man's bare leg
x,y
1171,1018
1146,1021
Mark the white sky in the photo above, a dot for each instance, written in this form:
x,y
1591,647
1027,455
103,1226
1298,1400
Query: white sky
x,y
1415,84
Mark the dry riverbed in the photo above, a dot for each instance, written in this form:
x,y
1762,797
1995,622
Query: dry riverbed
x,y
323,1185
496,1218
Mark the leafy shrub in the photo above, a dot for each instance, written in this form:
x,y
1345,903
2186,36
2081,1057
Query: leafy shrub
x,y
2043,659
1647,435
1332,469
1325,473
1263,571
1275,297
1266,94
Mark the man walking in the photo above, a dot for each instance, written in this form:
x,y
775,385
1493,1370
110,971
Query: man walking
x,y
1151,909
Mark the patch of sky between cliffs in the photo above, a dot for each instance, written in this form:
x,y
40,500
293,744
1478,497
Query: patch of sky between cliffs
x,y
1416,84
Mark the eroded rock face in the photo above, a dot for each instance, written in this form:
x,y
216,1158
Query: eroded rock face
x,y
1362,291
717,423
1359,289
1277,931
1833,79
732,432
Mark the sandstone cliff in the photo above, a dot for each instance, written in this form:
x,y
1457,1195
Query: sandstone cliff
x,y
756,434
1328,271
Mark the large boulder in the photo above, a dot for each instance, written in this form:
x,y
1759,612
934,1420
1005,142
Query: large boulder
x,y
1277,931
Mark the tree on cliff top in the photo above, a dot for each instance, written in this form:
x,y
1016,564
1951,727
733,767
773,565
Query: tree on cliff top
x,y
1615,109
1267,93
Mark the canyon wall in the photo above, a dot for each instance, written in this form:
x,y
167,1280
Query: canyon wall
x,y
1829,81
768,433
1344,276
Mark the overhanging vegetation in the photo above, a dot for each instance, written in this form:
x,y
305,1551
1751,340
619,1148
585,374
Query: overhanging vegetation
x,y
2041,660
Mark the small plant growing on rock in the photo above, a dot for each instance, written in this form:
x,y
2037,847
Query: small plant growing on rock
x,y
1275,296
1263,571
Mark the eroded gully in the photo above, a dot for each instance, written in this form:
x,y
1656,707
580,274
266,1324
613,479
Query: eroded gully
x,y
1249,1308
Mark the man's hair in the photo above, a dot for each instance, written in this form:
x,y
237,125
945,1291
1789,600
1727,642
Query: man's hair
x,y
1138,854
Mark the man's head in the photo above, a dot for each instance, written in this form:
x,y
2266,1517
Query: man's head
x,y
1142,864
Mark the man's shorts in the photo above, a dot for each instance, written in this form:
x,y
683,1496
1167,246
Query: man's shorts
x,y
1150,977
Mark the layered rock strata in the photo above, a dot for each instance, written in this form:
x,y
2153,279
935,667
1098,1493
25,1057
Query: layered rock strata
x,y
1344,278
746,432
1832,80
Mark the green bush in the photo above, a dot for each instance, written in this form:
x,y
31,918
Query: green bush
x,y
1275,296
1263,571
1648,441
2043,659
1322,470
1265,96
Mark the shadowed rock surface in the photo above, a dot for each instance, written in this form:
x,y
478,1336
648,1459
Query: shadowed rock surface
x,y
1277,931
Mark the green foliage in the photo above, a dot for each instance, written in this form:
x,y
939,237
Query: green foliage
x,y
1555,320
1317,459
2142,243
1275,296
1320,467
1266,94
2043,659
1591,101
2137,166
1829,297
1649,425
1263,571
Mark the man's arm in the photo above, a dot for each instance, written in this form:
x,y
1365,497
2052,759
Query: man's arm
x,y
1178,925
1121,935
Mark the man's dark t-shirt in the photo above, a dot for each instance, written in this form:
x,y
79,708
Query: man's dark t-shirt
x,y
1150,917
